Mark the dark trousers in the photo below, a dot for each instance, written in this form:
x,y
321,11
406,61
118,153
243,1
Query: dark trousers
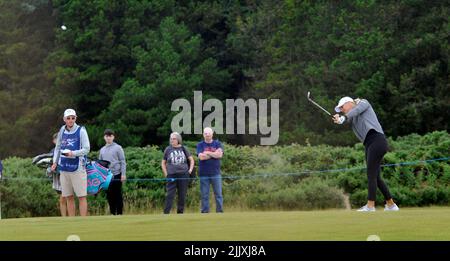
x,y
180,184
114,195
376,146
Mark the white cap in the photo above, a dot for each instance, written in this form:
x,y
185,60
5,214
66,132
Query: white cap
x,y
342,101
69,112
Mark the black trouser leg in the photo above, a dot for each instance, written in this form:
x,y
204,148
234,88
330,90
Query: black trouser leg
x,y
374,155
383,187
171,187
182,185
109,193
114,195
119,198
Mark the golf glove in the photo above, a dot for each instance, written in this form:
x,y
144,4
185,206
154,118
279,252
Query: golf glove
x,y
341,120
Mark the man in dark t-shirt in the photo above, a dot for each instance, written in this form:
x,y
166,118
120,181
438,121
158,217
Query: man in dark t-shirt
x,y
209,153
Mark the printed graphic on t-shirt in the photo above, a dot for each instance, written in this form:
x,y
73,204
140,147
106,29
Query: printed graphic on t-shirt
x,y
177,157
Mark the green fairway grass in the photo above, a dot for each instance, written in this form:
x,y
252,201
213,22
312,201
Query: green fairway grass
x,y
408,224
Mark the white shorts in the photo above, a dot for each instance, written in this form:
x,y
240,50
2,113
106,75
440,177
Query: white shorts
x,y
74,182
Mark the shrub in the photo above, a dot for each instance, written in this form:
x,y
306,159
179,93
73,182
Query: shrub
x,y
256,177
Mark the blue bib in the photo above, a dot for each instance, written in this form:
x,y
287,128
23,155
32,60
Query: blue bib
x,y
71,142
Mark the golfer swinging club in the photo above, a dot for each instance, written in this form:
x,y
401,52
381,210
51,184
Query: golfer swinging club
x,y
368,130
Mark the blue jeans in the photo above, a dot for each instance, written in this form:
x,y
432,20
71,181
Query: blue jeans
x,y
216,182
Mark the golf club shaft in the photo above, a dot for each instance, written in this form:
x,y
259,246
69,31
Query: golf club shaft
x,y
319,106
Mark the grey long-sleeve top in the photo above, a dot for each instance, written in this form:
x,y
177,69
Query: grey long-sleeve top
x,y
363,119
116,156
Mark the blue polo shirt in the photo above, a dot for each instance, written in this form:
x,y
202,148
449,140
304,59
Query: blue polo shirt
x,y
209,167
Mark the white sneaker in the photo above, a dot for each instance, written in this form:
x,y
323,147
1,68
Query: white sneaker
x,y
391,208
365,208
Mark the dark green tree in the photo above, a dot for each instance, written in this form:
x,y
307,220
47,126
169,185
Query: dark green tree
x,y
169,66
28,114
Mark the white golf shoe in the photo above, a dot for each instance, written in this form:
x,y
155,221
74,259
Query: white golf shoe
x,y
394,207
365,208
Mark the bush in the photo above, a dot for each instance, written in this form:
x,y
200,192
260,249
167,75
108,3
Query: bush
x,y
277,177
312,194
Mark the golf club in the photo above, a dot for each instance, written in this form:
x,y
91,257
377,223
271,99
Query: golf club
x,y
309,98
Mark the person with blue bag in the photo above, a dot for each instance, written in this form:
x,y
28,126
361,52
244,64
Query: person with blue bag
x,y
71,149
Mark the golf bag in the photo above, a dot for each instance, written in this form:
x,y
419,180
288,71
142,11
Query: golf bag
x,y
98,174
98,177
43,160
